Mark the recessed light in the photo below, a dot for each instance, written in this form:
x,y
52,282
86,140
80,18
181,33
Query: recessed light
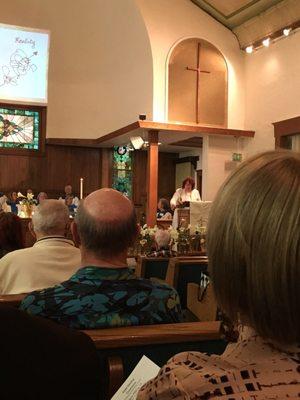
x,y
249,49
266,42
286,31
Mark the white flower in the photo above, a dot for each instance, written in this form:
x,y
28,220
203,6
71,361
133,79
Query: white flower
x,y
143,242
21,195
30,196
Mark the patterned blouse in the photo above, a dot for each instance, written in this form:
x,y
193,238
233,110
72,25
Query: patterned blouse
x,y
96,297
251,369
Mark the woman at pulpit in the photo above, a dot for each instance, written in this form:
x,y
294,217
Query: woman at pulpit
x,y
186,193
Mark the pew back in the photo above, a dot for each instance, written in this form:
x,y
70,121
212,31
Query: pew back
x,y
120,349
12,300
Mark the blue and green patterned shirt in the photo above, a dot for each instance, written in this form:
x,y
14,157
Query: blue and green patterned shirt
x,y
96,297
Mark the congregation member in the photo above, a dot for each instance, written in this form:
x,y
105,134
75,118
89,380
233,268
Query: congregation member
x,y
185,194
12,203
11,237
104,291
69,202
163,210
254,257
69,193
41,197
162,242
44,360
3,200
51,260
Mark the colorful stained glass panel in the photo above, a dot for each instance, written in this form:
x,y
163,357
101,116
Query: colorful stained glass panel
x,y
19,128
122,171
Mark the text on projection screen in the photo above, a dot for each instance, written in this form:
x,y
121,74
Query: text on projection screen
x,y
23,64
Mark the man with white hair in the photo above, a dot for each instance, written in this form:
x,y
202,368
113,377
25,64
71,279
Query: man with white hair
x,y
162,241
51,260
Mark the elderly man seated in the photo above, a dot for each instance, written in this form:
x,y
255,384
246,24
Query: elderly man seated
x,y
162,242
51,260
105,292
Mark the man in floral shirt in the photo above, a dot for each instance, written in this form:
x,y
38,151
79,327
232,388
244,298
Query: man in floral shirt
x,y
104,291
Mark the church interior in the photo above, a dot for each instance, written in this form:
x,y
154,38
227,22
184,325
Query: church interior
x,y
150,199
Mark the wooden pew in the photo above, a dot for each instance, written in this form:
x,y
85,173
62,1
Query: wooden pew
x,y
13,300
202,303
120,349
184,270
152,267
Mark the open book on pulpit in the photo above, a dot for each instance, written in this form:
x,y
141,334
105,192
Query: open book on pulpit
x,y
142,373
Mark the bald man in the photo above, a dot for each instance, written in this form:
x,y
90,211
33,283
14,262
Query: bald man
x,y
104,291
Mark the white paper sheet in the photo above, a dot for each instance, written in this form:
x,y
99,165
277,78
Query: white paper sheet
x,y
142,373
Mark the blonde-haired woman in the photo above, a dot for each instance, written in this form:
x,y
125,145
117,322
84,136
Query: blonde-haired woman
x,y
254,255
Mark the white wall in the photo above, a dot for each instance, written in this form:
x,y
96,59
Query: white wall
x,y
169,21
217,163
100,73
272,90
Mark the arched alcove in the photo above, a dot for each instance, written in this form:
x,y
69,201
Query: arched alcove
x,y
197,86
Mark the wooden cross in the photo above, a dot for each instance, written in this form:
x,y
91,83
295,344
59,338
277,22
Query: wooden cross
x,y
198,70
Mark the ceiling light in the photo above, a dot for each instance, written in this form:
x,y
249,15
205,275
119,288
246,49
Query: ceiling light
x,y
249,49
286,31
266,42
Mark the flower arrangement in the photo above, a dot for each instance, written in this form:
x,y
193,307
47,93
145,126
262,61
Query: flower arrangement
x,y
27,204
147,238
200,233
188,239
27,200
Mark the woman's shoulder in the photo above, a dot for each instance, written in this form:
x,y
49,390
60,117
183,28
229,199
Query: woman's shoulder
x,y
185,374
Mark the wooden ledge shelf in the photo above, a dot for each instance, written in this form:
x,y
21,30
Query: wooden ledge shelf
x,y
132,336
161,127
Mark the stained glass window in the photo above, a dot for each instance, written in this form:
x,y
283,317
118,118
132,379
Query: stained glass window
x,y
19,128
122,171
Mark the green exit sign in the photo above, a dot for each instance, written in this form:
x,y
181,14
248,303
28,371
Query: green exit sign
x,y
237,157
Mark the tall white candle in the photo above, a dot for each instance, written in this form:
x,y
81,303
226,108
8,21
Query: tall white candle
x,y
81,188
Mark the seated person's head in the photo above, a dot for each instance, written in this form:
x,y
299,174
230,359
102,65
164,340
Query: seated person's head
x,y
42,196
68,189
29,191
254,245
162,239
105,224
163,205
13,197
51,218
11,237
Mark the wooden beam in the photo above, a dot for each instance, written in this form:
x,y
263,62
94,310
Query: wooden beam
x,y
152,177
151,125
73,142
203,129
